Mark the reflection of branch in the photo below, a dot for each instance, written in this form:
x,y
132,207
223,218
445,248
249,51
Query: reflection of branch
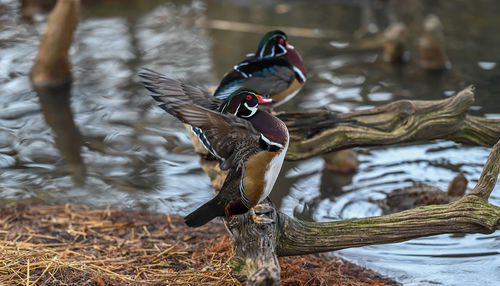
x,y
313,133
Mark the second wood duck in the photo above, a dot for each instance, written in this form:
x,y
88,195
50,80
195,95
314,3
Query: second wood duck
x,y
275,71
249,142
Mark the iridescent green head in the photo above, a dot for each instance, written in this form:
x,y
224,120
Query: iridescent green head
x,y
243,103
273,44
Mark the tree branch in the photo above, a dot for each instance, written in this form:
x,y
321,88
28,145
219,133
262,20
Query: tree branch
x,y
471,214
489,176
468,215
313,133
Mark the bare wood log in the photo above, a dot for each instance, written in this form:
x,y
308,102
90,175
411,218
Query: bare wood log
x,y
489,176
256,259
478,131
314,133
468,215
471,214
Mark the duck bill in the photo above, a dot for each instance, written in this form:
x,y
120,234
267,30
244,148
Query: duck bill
x,y
263,100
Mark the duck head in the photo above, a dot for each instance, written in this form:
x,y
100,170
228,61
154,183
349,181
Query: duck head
x,y
275,44
243,103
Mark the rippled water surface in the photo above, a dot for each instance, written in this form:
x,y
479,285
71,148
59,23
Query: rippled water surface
x,y
135,156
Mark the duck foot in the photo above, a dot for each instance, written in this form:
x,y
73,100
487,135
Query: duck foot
x,y
258,212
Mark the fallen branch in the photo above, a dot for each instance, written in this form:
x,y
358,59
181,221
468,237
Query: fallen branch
x,y
314,133
471,214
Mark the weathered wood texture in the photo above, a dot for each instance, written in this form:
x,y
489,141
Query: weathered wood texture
x,y
468,215
471,214
256,259
313,133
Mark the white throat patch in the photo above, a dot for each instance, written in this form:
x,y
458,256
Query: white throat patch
x,y
252,110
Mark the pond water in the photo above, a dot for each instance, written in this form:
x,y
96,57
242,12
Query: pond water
x,y
134,155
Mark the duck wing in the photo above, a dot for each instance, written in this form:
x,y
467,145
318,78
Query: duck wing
x,y
161,85
231,138
266,76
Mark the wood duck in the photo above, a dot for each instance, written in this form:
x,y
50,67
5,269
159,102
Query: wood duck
x,y
275,71
249,142
421,194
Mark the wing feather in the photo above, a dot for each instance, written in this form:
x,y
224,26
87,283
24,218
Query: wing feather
x,y
266,76
233,139
161,85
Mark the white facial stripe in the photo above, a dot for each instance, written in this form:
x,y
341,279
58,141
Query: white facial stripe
x,y
237,109
252,110
269,142
237,68
299,72
273,53
283,49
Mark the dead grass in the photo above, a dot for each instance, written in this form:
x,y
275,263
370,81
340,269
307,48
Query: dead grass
x,y
76,245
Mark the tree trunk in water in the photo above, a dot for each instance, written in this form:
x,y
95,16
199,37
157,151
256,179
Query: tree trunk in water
x,y
51,78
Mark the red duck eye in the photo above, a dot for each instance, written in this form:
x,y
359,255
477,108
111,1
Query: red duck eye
x,y
249,97
282,41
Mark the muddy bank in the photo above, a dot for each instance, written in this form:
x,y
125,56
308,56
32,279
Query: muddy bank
x,y
78,245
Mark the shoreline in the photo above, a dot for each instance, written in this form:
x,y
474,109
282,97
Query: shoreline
x,y
80,245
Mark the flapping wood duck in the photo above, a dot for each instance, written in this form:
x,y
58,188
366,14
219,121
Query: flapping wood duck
x,y
275,71
249,142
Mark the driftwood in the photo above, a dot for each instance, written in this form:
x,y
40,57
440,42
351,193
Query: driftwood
x,y
313,133
317,132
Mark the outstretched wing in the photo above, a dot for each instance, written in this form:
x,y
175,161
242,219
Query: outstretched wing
x,y
160,85
266,76
231,138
